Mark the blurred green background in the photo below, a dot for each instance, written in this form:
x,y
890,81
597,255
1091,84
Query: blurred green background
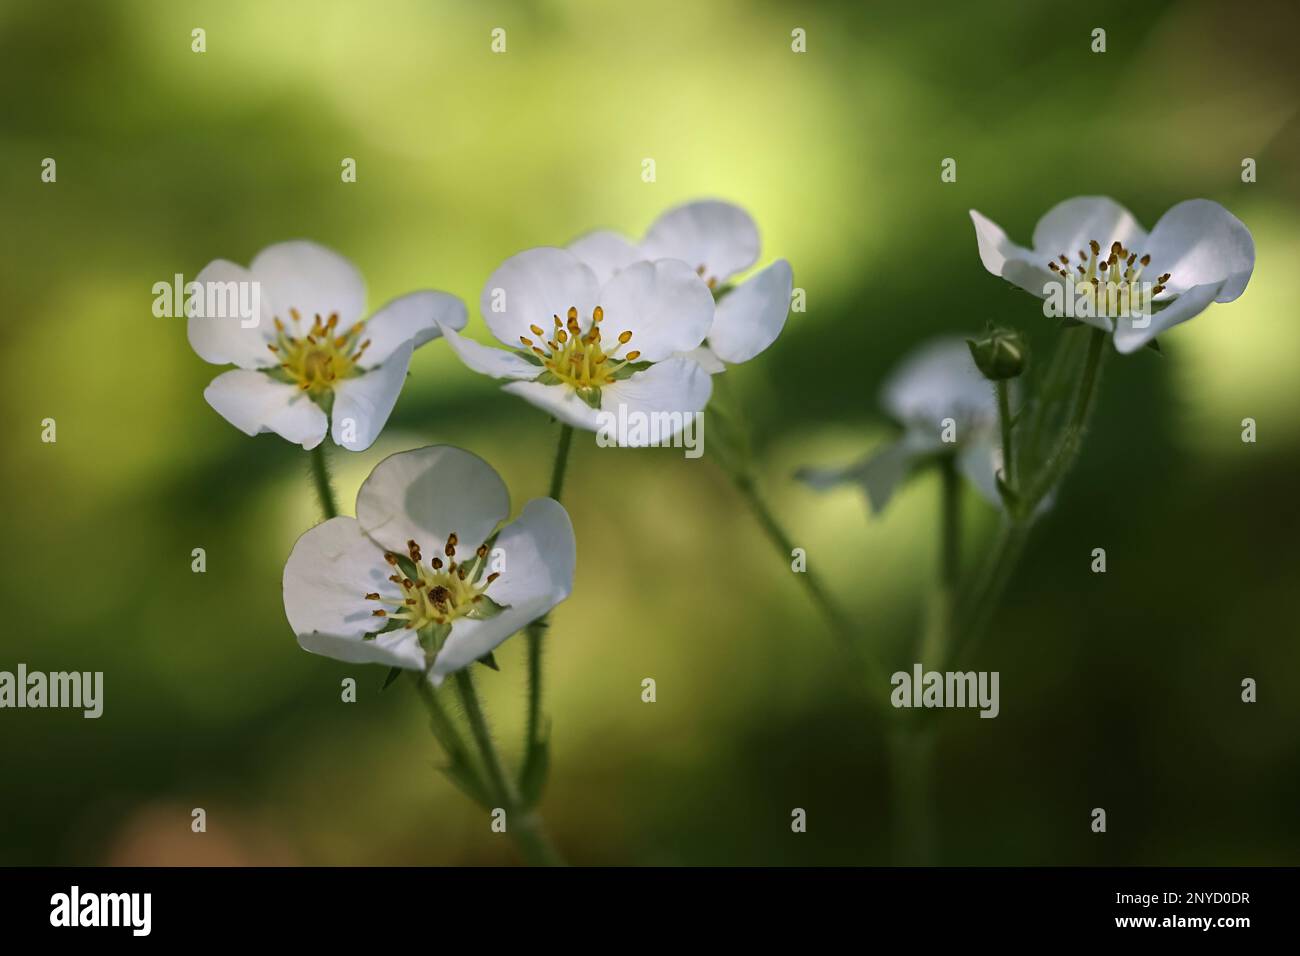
x,y
1118,690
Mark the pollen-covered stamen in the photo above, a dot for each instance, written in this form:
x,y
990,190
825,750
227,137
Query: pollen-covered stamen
x,y
1112,280
438,593
710,281
579,358
319,357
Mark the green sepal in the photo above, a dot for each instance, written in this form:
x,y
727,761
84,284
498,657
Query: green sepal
x,y
489,660
528,357
462,776
406,566
432,637
627,371
389,625
393,674
1154,346
999,354
486,609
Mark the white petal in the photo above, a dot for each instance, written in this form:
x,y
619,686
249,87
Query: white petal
x,y
1068,226
822,478
979,461
428,494
415,317
715,236
398,648
1103,322
530,288
1201,243
664,304
559,401
883,472
312,279
222,338
880,473
254,402
936,381
995,247
362,404
750,317
1004,258
537,555
705,358
470,639
1188,305
489,360
330,570
606,253
666,394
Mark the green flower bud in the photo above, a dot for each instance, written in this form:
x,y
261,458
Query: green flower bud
x,y
999,354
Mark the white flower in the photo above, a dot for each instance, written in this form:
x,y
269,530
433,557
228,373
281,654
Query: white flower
x,y
310,359
719,241
420,559
938,381
1198,253
580,345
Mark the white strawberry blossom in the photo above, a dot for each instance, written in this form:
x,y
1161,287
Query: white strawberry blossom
x,y
310,362
1197,254
422,578
935,383
720,241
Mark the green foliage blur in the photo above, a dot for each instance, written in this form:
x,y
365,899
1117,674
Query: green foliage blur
x,y
1118,690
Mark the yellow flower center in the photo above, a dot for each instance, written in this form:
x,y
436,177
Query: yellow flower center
x,y
578,359
1112,282
440,592
321,356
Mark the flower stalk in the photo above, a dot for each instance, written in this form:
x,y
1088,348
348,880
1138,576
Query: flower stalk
x,y
463,769
733,449
1072,436
532,775
987,592
321,476
1004,419
521,822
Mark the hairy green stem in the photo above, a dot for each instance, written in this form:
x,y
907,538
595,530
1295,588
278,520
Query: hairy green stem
x,y
911,765
912,741
1067,449
993,581
821,597
1004,417
321,474
464,768
987,592
533,732
522,823
748,489
561,466
734,454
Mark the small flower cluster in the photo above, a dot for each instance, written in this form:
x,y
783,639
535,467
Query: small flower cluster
x,y
603,324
